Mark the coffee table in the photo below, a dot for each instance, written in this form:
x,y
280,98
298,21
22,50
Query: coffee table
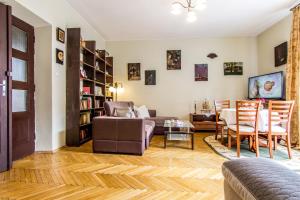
x,y
185,130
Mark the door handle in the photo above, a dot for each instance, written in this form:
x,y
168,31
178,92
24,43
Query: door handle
x,y
3,85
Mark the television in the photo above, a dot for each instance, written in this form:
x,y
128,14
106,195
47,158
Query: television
x,y
267,86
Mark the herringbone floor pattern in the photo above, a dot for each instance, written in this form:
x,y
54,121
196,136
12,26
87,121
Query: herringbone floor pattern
x,y
76,173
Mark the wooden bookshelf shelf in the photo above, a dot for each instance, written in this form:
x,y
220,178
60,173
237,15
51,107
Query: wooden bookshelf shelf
x,y
87,65
94,64
85,49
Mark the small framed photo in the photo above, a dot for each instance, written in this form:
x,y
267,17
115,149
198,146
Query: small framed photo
x,y
134,71
281,54
59,56
150,77
60,35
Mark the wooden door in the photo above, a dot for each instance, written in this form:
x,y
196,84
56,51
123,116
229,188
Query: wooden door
x,y
5,88
23,130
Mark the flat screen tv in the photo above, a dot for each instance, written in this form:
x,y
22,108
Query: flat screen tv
x,y
267,86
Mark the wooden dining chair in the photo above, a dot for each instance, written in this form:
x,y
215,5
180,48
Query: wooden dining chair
x,y
246,125
280,113
220,124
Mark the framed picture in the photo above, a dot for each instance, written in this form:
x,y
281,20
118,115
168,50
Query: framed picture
x,y
233,68
281,54
134,71
150,77
173,59
59,56
201,72
60,35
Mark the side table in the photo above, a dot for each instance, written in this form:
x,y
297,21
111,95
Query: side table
x,y
203,121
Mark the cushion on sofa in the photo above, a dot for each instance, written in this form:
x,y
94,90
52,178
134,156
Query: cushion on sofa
x,y
160,121
142,112
264,179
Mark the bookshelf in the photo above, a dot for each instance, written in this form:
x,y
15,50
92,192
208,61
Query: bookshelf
x,y
88,73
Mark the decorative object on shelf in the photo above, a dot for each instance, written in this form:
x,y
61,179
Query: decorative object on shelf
x,y
82,73
82,43
206,105
59,56
190,6
201,72
60,35
173,59
195,107
233,68
212,55
98,91
281,54
86,90
150,77
134,71
116,88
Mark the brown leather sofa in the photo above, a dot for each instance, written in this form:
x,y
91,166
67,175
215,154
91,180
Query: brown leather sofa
x,y
124,135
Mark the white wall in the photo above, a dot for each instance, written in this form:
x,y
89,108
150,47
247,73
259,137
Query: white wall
x,y
43,83
266,41
58,13
176,91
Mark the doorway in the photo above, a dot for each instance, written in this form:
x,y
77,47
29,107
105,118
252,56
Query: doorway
x,y
23,112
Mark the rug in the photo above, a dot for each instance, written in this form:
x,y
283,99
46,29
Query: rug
x,y
280,155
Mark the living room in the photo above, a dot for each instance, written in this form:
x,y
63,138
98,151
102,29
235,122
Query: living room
x,y
142,100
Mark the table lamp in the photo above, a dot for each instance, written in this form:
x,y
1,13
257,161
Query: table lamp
x,y
116,88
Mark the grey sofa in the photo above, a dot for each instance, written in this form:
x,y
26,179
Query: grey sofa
x,y
259,179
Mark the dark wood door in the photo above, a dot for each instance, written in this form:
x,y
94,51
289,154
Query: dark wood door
x,y
5,88
23,129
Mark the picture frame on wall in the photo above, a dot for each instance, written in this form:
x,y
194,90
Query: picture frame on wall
x,y
233,68
134,71
173,59
60,56
150,77
281,54
60,35
201,72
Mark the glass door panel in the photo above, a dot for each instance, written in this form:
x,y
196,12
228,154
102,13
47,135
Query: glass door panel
x,y
19,39
19,70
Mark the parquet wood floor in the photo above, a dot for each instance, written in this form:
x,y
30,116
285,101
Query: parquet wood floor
x,y
77,173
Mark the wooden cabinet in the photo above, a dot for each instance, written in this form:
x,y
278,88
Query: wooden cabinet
x,y
203,121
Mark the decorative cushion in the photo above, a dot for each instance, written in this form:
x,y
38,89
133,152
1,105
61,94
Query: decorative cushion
x,y
142,112
124,112
243,128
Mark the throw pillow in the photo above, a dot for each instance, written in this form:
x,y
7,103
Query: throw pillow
x,y
142,112
124,112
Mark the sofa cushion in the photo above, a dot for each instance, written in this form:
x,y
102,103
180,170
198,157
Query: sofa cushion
x,y
110,106
160,121
257,178
142,112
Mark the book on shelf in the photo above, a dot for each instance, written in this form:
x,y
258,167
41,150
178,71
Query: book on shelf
x,y
85,118
86,103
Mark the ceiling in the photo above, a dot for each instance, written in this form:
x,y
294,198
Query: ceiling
x,y
151,19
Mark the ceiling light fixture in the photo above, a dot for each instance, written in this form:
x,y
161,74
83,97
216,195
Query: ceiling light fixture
x,y
190,6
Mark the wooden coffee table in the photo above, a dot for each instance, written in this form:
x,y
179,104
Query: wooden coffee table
x,y
182,135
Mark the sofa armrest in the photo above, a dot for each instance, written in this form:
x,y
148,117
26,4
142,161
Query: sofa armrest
x,y
119,129
152,113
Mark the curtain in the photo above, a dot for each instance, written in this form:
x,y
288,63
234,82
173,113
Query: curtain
x,y
293,76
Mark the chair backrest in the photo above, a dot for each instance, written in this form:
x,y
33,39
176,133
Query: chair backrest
x,y
219,105
247,113
280,112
